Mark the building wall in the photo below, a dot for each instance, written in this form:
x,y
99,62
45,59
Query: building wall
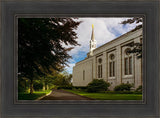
x,y
83,73
117,48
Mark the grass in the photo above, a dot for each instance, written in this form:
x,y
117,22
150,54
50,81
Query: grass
x,y
34,96
108,96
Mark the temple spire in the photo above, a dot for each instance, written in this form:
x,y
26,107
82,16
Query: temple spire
x,y
92,42
92,36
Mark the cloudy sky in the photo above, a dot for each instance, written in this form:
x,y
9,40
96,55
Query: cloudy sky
x,y
105,30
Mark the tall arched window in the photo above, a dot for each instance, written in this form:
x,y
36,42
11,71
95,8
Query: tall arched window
x,y
112,65
128,62
99,68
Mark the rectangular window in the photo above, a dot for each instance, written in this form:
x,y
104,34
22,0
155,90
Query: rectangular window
x,y
130,65
113,68
83,75
101,71
126,66
98,71
110,69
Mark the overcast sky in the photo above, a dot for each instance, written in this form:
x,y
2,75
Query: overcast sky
x,y
105,30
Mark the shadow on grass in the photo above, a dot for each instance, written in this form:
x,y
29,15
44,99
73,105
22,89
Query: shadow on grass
x,y
34,96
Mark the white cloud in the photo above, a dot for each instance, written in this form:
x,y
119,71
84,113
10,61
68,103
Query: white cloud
x,y
105,29
102,30
70,68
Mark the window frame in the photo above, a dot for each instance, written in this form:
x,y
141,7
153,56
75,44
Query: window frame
x,y
128,64
100,69
112,65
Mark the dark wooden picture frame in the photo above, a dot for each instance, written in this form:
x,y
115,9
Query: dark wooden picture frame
x,y
16,101
150,105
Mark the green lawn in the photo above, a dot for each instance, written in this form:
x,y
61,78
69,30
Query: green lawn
x,y
34,96
108,96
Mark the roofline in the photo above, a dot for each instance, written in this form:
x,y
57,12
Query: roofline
x,y
82,60
131,31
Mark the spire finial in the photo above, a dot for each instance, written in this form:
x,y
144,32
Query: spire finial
x,y
92,26
92,36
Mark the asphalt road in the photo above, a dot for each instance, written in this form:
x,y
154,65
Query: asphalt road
x,y
64,95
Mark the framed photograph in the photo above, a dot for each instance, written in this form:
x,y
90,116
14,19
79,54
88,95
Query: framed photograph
x,y
110,71
80,59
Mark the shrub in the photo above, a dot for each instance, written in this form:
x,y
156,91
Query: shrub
x,y
123,87
97,86
80,87
64,87
123,92
139,89
23,85
120,92
53,87
21,89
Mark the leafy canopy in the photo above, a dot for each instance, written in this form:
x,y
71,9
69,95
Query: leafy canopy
x,y
41,44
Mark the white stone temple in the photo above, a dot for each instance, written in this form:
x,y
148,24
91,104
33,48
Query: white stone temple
x,y
110,62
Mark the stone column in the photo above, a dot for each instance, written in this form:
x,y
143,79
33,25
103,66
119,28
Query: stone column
x,y
138,69
94,68
118,65
104,67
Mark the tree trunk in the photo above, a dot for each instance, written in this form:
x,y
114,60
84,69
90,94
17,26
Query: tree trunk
x,y
31,87
44,86
25,85
47,87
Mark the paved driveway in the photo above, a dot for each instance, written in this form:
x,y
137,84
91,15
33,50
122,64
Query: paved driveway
x,y
64,95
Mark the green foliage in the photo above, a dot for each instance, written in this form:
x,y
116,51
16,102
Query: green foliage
x,y
80,87
63,80
97,85
134,20
123,92
23,85
139,89
35,95
123,87
136,48
37,86
40,46
65,87
21,88
52,87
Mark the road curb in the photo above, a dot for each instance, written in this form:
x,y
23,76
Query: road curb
x,y
43,96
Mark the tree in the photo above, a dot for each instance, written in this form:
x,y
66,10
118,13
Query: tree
x,y
40,45
63,79
136,47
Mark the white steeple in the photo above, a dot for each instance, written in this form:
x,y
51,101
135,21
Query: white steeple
x,y
92,42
